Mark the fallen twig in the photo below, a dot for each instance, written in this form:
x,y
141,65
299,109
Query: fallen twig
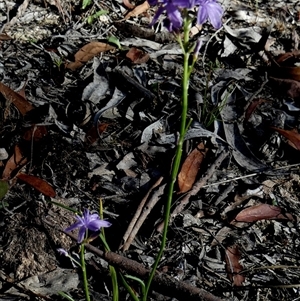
x,y
162,283
140,215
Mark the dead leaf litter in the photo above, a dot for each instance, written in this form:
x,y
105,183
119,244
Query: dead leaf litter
x,y
90,109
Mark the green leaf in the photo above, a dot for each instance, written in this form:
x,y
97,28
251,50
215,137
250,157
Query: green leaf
x,y
86,3
101,13
92,18
64,207
68,297
3,188
114,40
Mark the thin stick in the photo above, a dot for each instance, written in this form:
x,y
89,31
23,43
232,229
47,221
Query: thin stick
x,y
136,216
148,207
248,176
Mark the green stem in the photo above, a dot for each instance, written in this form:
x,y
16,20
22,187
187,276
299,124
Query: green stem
x,y
114,281
114,278
178,153
129,289
83,267
112,270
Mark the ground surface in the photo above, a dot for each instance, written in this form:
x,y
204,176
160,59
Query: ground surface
x,y
91,121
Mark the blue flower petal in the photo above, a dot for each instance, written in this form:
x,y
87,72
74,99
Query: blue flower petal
x,y
184,3
215,13
174,16
74,226
87,221
158,13
152,2
62,251
81,234
202,15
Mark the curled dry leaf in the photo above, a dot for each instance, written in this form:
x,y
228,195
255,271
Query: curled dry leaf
x,y
17,160
293,137
233,266
39,184
87,52
261,212
128,4
137,56
284,65
138,10
190,168
19,101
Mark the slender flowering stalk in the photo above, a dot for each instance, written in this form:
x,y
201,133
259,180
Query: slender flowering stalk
x,y
176,162
177,12
86,222
84,274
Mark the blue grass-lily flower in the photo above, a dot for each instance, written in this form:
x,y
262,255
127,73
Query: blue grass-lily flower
x,y
209,10
87,222
173,14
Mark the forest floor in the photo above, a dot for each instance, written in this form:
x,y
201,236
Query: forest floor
x,y
90,112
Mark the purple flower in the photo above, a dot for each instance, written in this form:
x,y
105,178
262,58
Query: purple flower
x,y
197,48
172,11
62,251
209,10
87,222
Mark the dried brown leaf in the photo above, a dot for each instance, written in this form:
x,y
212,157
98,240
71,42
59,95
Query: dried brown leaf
x,y
128,4
221,235
20,102
35,133
92,134
287,72
37,183
233,266
252,107
138,10
137,56
261,212
292,135
87,52
288,57
17,160
5,37
283,66
190,168
287,87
